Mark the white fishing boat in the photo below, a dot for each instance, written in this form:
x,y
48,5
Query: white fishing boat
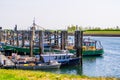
x,y
63,57
50,65
26,62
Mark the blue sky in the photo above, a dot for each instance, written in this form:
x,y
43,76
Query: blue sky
x,y
58,14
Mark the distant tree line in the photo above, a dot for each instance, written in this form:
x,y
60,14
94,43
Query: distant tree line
x,y
75,27
72,28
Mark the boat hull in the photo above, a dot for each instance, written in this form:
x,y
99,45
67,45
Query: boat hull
x,y
96,52
21,50
70,62
56,66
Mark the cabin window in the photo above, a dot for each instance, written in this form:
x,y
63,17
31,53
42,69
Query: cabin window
x,y
55,57
84,44
63,57
68,57
59,57
92,44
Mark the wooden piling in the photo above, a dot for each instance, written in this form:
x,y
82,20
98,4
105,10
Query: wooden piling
x,y
63,40
4,35
57,40
49,37
78,44
17,37
17,34
31,41
23,38
0,34
12,37
41,47
55,37
81,41
7,35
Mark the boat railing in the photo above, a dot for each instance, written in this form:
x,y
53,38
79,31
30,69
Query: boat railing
x,y
99,45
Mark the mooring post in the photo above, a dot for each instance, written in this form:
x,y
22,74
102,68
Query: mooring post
x,y
81,41
49,37
17,37
57,41
23,38
10,37
31,43
78,44
4,35
28,35
41,47
55,37
13,39
17,34
63,40
7,34
0,34
31,40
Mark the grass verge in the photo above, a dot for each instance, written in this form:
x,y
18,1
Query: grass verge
x,y
40,75
102,32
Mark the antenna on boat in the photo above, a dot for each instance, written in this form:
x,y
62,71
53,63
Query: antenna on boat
x,y
34,21
77,28
37,26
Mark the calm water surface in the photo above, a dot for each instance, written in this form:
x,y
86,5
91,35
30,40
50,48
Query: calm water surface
x,y
106,65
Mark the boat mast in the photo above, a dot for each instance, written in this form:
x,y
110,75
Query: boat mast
x,y
32,32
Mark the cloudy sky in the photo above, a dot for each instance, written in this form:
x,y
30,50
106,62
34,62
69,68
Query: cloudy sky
x,y
58,14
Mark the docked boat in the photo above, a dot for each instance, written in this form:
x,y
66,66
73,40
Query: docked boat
x,y
90,47
49,65
26,62
63,57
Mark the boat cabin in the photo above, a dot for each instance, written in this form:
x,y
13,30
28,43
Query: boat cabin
x,y
64,55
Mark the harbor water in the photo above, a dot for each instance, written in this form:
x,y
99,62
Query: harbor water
x,y
107,65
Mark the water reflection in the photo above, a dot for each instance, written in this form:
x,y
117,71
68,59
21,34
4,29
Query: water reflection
x,y
76,70
90,65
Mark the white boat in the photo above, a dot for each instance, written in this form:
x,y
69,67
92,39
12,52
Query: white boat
x,y
63,57
50,65
26,62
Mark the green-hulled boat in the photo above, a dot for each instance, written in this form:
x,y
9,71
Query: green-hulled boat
x,y
90,48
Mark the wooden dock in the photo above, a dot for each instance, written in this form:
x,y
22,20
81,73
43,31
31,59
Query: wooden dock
x,y
36,38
